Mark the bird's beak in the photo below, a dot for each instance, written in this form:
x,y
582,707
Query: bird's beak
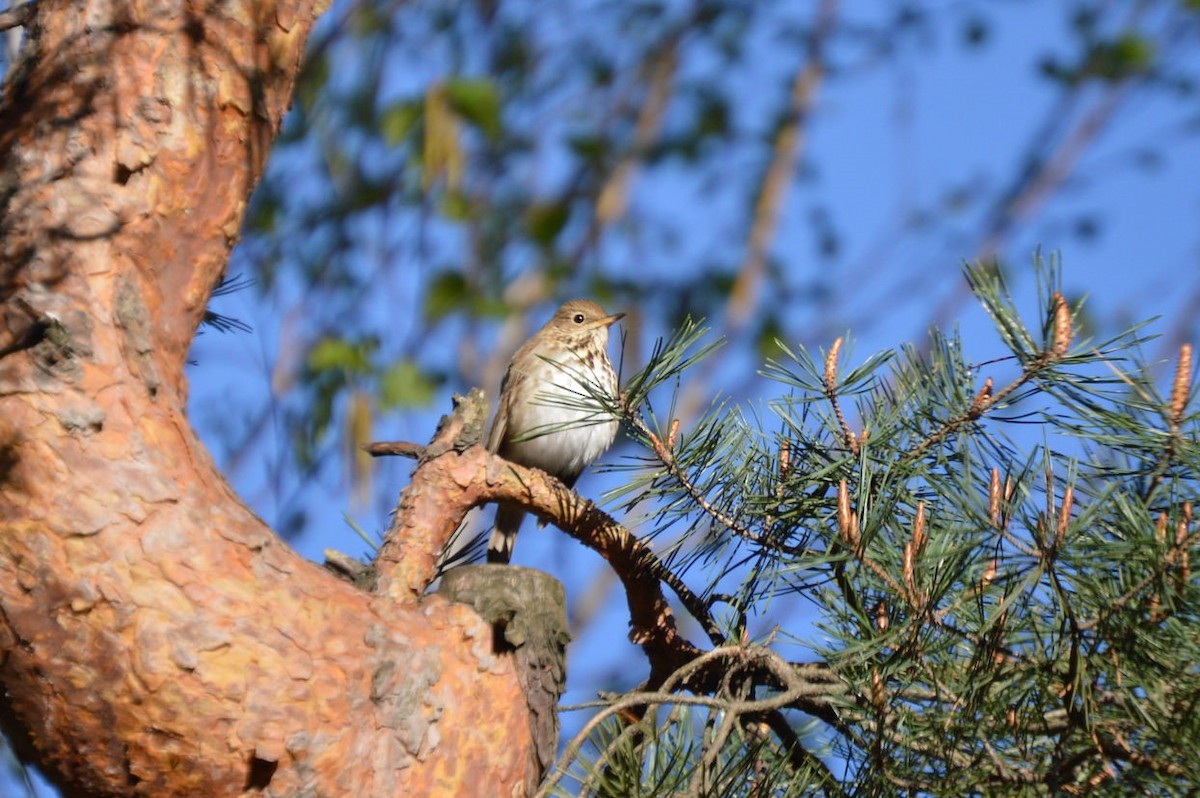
x,y
609,321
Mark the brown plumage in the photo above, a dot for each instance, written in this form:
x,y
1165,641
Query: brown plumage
x,y
546,417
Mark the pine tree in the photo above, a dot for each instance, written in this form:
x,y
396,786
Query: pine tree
x,y
997,572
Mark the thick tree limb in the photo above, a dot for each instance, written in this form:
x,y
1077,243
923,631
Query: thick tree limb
x,y
155,637
446,486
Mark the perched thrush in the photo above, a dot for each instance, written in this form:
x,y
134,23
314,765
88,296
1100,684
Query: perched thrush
x,y
549,416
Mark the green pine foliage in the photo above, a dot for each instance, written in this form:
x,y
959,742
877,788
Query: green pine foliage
x,y
992,565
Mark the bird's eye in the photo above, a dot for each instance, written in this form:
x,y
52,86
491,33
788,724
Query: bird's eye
x,y
579,318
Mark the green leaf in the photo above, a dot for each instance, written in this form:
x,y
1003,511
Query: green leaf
x,y
1120,58
264,214
476,101
455,206
1134,53
405,385
367,20
712,114
588,147
546,220
398,120
447,294
769,339
311,83
330,354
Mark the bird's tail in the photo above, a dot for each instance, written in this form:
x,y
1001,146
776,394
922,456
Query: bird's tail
x,y
504,535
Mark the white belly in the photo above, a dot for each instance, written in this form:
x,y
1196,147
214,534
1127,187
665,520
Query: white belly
x,y
568,428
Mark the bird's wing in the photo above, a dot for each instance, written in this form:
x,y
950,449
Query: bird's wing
x,y
500,422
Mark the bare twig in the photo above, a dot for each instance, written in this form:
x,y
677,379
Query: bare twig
x,y
394,449
16,16
723,659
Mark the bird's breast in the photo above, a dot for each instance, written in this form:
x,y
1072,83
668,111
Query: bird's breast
x,y
559,427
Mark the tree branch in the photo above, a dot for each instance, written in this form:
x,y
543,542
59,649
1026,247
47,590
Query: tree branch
x,y
985,400
451,480
752,659
743,300
16,16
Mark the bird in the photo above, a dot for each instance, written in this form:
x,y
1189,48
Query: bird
x,y
549,416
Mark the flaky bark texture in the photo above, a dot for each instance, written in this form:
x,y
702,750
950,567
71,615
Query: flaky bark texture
x,y
155,637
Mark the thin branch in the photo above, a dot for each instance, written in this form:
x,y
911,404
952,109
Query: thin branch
x,y
662,450
1117,748
750,658
667,458
16,16
700,775
743,299
1123,601
413,451
985,400
799,756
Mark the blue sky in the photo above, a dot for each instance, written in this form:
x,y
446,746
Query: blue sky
x,y
885,143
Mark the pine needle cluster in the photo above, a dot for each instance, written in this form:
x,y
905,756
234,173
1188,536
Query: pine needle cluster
x,y
925,575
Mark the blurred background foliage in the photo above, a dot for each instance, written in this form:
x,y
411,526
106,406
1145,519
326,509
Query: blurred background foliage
x,y
450,171
788,172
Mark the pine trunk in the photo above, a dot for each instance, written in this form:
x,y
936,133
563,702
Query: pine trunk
x,y
156,638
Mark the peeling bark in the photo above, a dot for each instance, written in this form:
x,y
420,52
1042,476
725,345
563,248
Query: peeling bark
x,y
155,637
528,613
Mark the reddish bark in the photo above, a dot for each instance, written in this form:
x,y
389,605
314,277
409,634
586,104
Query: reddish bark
x,y
155,636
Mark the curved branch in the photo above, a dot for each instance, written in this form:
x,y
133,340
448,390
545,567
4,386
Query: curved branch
x,y
797,690
456,475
